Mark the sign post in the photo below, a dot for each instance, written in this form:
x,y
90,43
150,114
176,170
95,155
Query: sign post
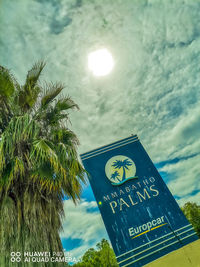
x,y
141,216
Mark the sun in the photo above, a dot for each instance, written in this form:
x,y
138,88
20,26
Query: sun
x,y
100,62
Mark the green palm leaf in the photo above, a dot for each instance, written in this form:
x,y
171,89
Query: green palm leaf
x,y
28,94
52,91
65,104
33,75
7,87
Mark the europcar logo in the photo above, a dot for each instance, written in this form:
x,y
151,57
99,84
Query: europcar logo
x,y
120,169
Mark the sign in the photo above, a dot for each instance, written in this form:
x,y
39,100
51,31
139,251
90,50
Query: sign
x,y
141,216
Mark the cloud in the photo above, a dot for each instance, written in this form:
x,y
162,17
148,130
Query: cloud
x,y
82,222
185,176
194,198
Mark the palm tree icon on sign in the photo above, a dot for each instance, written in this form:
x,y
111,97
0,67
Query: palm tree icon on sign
x,y
115,175
124,164
118,164
119,169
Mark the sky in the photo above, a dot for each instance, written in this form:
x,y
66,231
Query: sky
x,y
153,90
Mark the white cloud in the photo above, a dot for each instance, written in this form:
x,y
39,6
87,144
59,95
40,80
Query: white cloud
x,y
82,222
194,198
185,176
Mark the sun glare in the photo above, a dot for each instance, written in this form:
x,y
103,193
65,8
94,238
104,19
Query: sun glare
x,y
100,62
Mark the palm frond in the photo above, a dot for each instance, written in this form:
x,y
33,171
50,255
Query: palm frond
x,y
33,75
12,171
20,128
42,151
7,86
28,94
54,118
52,91
64,136
65,104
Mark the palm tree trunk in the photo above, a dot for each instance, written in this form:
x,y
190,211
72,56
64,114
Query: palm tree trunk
x,y
124,174
28,227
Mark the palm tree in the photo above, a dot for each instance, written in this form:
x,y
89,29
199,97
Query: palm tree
x,y
118,164
115,175
38,165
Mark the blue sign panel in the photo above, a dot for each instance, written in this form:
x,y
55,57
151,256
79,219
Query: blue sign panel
x,y
141,216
